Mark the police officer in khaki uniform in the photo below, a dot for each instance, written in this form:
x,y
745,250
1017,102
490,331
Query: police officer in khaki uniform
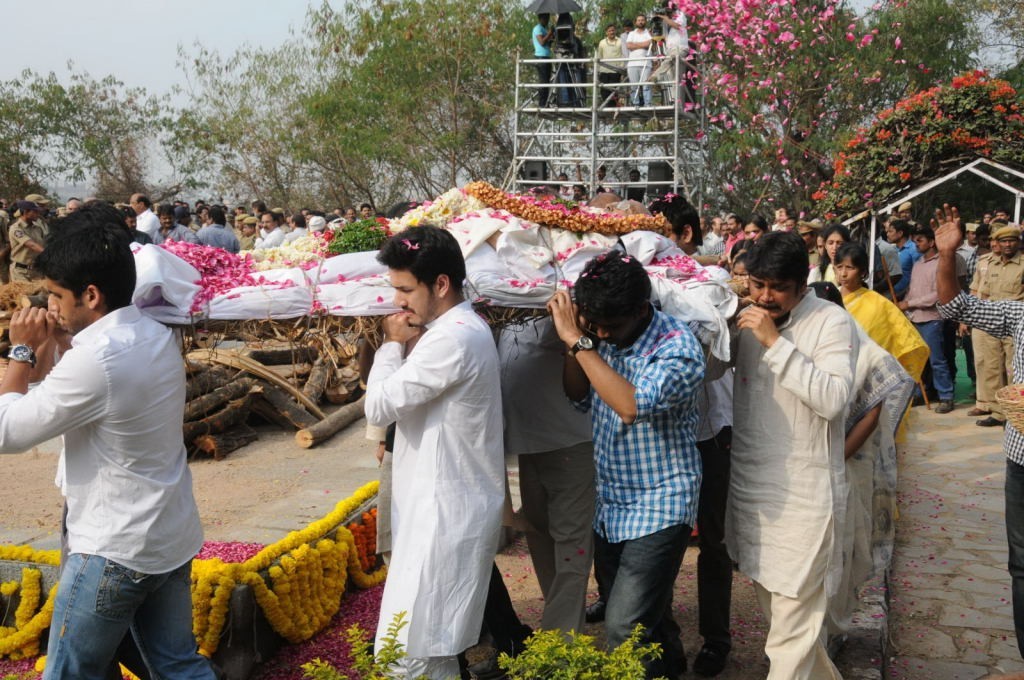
x,y
998,277
28,238
247,239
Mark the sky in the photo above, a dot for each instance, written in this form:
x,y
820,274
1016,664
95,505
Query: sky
x,y
136,40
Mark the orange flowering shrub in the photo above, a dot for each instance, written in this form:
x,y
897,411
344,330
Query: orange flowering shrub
x,y
922,137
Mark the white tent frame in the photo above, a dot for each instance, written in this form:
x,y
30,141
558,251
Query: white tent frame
x,y
972,168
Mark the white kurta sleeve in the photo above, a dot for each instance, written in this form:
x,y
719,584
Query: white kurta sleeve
x,y
395,388
824,380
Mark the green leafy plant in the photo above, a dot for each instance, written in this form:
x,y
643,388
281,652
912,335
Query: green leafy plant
x,y
548,655
358,237
551,655
366,665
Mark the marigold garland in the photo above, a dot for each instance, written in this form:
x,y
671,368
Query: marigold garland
x,y
564,217
307,573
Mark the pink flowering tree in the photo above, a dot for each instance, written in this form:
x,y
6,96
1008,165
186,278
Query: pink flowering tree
x,y
786,80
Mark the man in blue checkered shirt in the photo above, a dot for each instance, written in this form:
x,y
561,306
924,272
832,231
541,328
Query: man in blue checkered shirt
x,y
640,385
1001,319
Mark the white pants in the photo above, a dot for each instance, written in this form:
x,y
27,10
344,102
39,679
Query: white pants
x,y
637,78
795,645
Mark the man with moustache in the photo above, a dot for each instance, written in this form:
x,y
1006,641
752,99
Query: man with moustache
x,y
448,480
794,373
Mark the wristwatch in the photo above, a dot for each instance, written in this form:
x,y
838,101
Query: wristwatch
x,y
22,353
584,343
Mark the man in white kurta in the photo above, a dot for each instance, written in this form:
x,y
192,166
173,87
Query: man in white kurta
x,y
448,478
795,367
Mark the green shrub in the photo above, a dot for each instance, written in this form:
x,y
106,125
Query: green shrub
x,y
551,655
358,237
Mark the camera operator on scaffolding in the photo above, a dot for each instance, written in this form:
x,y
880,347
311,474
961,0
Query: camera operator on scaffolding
x,y
676,44
542,35
638,68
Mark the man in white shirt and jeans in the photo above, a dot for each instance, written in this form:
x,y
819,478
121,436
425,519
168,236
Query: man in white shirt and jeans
x,y
118,397
638,68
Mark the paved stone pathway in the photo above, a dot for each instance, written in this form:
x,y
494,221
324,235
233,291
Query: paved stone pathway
x,y
950,615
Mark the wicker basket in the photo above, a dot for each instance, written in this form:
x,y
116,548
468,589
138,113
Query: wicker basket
x,y
1011,398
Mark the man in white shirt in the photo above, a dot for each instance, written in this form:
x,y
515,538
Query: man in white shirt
x,y
298,230
794,375
271,233
638,68
146,220
118,398
448,479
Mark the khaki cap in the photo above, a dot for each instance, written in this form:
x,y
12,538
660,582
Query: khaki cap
x,y
906,206
1005,231
38,199
251,220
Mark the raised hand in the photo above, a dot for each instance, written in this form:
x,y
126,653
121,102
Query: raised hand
x,y
947,228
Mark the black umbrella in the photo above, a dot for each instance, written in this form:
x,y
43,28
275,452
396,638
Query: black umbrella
x,y
553,6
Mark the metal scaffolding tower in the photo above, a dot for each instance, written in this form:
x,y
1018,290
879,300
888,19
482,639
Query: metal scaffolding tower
x,y
588,125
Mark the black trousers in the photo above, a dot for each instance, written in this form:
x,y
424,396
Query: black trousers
x,y
714,566
544,78
607,94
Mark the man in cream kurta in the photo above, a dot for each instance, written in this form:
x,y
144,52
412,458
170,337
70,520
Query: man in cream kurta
x,y
795,367
448,478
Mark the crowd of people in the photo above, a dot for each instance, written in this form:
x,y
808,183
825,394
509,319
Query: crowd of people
x,y
24,226
785,458
628,436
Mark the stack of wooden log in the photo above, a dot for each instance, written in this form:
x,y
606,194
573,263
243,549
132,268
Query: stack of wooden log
x,y
291,386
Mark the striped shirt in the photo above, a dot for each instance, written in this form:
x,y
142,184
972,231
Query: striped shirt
x,y
649,472
1002,319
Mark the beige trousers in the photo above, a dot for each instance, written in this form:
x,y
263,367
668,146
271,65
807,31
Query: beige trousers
x,y
796,639
993,363
557,489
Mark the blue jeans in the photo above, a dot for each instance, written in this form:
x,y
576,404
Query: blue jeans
x,y
99,601
1014,499
640,575
942,377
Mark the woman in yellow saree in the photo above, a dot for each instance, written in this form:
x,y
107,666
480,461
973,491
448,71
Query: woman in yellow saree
x,y
881,319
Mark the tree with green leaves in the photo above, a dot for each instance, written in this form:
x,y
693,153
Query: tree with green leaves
x,y
81,130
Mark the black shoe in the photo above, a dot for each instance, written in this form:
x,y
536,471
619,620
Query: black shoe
x,y
990,422
944,406
595,611
835,645
710,660
487,669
